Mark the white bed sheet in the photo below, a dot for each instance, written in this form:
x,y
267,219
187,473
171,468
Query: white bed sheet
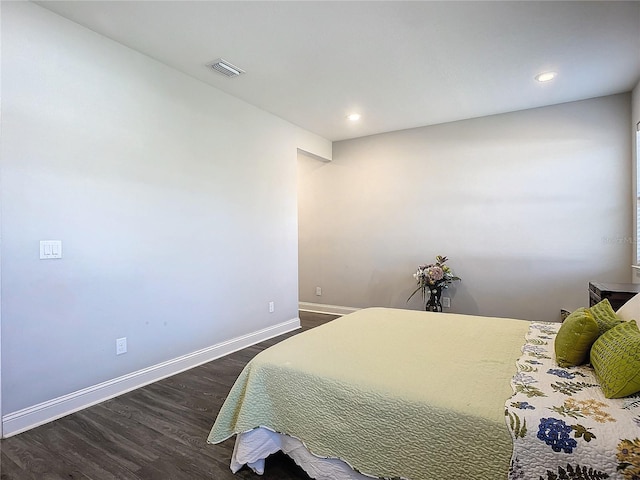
x,y
254,446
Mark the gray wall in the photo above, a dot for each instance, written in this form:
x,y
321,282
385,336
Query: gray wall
x,y
175,203
528,206
635,126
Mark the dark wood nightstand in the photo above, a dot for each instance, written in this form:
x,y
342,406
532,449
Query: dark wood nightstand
x,y
617,293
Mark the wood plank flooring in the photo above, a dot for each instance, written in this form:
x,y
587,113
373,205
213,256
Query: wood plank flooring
x,y
157,432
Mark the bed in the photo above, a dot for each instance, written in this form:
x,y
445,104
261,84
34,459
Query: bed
x,y
401,394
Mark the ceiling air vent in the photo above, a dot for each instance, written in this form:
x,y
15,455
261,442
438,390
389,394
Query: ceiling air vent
x,y
225,68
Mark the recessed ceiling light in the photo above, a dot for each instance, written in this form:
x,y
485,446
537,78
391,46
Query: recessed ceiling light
x,y
546,76
354,117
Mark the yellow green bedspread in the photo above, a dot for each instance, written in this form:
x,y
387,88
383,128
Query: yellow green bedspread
x,y
394,393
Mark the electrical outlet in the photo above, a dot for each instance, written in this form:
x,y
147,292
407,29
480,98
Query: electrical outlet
x,y
272,307
446,302
319,291
121,345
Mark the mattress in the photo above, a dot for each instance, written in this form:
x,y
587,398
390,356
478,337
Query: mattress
x,y
392,393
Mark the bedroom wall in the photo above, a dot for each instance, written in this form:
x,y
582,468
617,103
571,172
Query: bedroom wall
x,y
175,203
528,206
635,126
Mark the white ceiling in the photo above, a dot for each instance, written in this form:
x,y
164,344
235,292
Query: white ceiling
x,y
400,64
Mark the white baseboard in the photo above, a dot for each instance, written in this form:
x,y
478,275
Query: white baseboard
x,y
31,417
321,308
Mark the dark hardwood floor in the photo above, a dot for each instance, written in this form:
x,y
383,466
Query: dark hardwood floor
x,y
155,432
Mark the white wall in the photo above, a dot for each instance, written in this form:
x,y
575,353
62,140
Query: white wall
x,y
175,203
528,206
635,106
1,410
635,127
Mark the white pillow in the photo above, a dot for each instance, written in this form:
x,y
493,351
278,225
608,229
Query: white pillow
x,y
631,309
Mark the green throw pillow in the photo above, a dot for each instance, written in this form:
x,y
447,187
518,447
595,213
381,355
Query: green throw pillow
x,y
575,337
605,316
615,357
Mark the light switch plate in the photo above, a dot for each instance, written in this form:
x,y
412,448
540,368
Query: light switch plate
x,y
50,249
